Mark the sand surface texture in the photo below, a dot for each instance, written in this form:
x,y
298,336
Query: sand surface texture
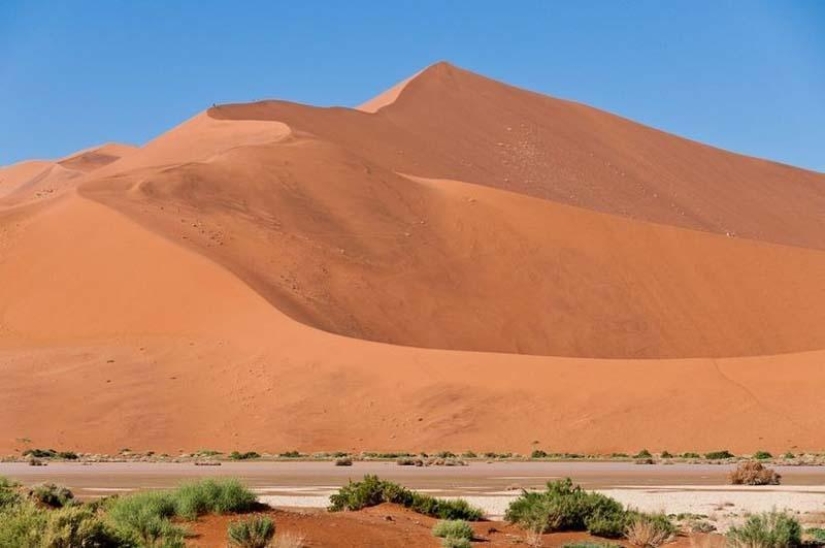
x,y
459,264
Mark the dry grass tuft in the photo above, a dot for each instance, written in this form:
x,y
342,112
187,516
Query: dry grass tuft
x,y
645,532
289,540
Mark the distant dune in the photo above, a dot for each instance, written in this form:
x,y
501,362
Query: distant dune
x,y
455,264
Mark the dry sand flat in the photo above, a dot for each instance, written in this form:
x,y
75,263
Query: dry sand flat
x,y
155,307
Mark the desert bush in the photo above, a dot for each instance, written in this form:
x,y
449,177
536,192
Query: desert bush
x,y
468,455
538,454
78,527
762,455
50,494
372,491
719,455
455,542
789,455
649,530
8,493
565,507
235,455
291,455
343,461
144,519
40,453
767,530
22,525
409,461
453,528
643,454
666,455
691,455
753,473
588,544
253,533
212,497
817,534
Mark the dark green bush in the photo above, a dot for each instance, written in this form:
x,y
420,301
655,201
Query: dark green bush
x,y
372,491
254,533
291,455
40,453
234,455
50,494
691,455
768,530
719,455
762,455
643,454
565,507
538,454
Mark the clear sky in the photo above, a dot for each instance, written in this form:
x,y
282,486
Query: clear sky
x,y
744,75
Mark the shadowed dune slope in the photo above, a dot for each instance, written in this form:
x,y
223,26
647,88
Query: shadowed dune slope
x,y
534,265
343,244
451,123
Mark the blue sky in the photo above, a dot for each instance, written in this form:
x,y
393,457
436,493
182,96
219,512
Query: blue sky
x,y
748,76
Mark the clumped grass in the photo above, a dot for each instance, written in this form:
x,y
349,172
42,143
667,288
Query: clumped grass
x,y
288,540
454,542
754,473
291,455
690,455
719,455
453,528
768,530
212,497
643,454
253,533
565,507
762,455
538,454
372,491
666,455
50,494
649,530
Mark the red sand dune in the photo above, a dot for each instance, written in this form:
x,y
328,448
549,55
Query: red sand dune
x,y
540,269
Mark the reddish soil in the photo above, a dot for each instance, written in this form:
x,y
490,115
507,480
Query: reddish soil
x,y
391,526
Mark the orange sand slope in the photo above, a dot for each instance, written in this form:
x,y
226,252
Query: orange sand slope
x,y
495,238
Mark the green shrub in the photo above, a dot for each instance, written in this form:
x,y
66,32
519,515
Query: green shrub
x,y
22,525
565,507
789,455
643,454
144,518
372,491
666,455
291,455
67,455
767,530
468,455
78,527
538,454
8,493
690,455
212,497
762,455
253,533
234,455
453,528
50,494
817,534
719,455
455,542
40,453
